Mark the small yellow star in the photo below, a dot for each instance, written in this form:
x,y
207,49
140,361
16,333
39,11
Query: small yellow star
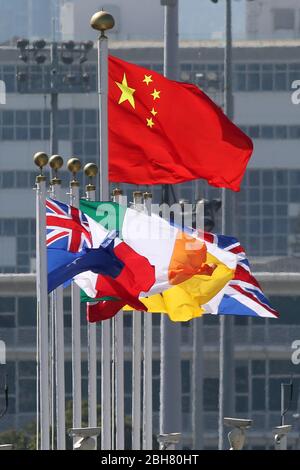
x,y
127,92
150,123
148,79
153,112
155,94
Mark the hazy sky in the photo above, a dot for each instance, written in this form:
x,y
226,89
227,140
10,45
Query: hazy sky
x,y
202,19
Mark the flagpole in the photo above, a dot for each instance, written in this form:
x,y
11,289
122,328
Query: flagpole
x,y
197,384
91,171
136,357
102,21
41,159
170,371
119,363
57,312
147,390
226,377
74,167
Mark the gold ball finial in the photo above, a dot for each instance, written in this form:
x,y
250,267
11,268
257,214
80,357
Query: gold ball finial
x,y
117,192
74,165
102,21
56,162
91,170
40,159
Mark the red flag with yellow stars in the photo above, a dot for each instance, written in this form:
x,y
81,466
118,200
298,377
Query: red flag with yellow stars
x,y
165,132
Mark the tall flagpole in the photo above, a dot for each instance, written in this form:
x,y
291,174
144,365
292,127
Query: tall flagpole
x,y
74,167
102,21
119,363
57,312
147,390
91,171
197,384
226,374
41,159
136,357
170,373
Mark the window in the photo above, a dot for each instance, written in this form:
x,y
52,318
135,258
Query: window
x,y
27,369
254,132
241,403
258,394
258,367
284,18
27,399
7,321
267,132
8,179
186,376
8,227
26,311
210,394
241,377
22,179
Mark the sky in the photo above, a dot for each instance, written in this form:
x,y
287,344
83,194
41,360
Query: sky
x,y
202,19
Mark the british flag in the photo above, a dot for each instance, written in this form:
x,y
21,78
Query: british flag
x,y
243,294
67,227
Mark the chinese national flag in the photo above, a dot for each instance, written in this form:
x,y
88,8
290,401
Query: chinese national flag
x,y
165,132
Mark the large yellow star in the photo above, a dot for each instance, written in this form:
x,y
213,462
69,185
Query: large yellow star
x,y
127,92
148,79
150,123
155,94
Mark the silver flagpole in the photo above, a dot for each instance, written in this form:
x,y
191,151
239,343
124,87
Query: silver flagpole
x,y
226,352
91,170
136,357
170,370
74,167
41,159
119,364
57,312
197,384
147,398
102,21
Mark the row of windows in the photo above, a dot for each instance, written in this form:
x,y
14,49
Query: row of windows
x,y
26,179
69,79
257,385
247,76
283,184
271,178
272,132
269,195
77,125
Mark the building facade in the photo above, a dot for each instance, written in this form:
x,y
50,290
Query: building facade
x,y
267,214
273,19
262,351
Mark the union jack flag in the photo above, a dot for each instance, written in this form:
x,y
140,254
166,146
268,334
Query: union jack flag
x,y
67,227
243,294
